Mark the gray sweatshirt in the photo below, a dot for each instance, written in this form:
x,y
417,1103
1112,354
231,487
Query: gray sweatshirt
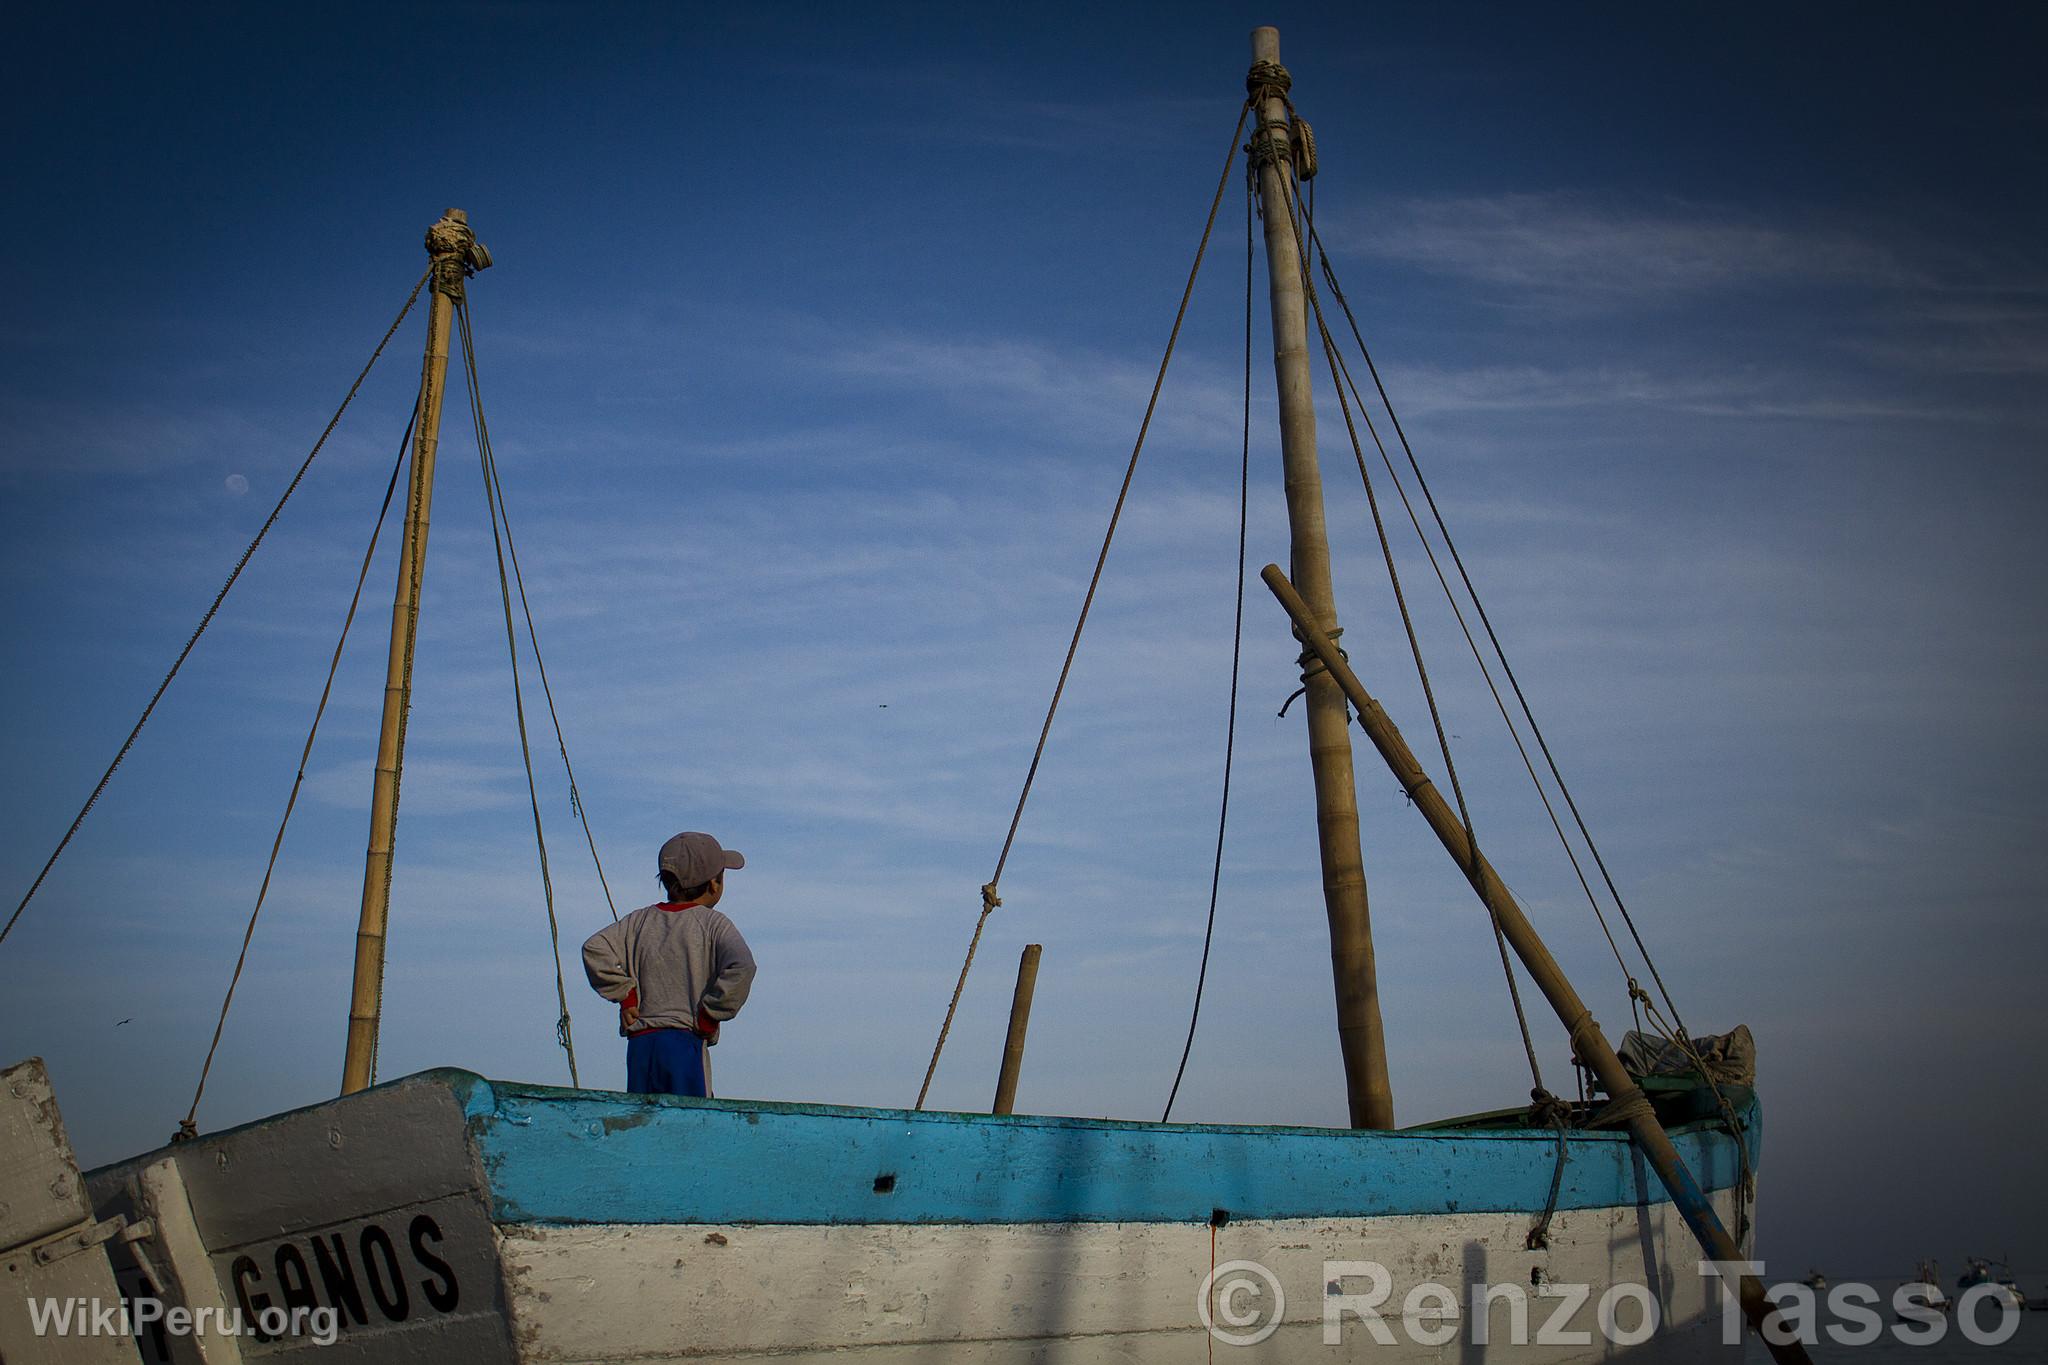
x,y
671,961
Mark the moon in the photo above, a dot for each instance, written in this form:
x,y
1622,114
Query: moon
x,y
237,485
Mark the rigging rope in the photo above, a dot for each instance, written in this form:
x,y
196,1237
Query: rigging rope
x,y
1507,668
1244,502
1674,1031
492,498
540,665
207,619
1538,1093
188,1127
989,899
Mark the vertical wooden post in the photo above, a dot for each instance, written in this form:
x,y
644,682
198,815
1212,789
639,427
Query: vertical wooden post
x,y
1359,1030
1020,1020
455,254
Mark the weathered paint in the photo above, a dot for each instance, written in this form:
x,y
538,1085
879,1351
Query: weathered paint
x,y
563,1156
1077,1292
322,1207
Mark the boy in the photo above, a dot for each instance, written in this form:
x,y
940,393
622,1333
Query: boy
x,y
678,969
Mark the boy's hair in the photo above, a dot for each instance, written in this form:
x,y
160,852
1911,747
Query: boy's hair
x,y
677,892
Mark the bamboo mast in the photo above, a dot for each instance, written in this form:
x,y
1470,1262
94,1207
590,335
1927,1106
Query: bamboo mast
x,y
456,254
1359,1030
1589,1044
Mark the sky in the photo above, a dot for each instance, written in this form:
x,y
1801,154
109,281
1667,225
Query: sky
x,y
815,348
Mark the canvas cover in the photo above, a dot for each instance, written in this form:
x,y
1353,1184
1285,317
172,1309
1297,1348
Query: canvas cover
x,y
1730,1058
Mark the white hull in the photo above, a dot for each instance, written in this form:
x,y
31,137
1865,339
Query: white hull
x,y
1109,1292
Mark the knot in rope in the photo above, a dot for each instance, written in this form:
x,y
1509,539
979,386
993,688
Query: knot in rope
x,y
1311,663
187,1130
1266,147
1547,1110
1578,1030
1630,1105
1268,80
989,899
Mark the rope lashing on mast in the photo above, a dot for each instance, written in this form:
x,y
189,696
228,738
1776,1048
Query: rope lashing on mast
x,y
1270,80
989,899
494,499
1310,665
212,610
188,1127
1244,502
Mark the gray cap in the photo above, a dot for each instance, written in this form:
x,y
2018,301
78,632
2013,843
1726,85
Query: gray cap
x,y
694,859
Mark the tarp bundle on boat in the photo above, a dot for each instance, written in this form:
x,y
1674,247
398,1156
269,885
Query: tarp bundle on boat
x,y
1728,1058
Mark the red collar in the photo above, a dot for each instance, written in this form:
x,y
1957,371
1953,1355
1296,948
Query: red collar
x,y
678,905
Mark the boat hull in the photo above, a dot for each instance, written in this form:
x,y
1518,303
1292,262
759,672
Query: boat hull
x,y
446,1217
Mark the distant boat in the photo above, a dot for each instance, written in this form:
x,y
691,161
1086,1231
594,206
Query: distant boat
x,y
1925,1287
1982,1271
1816,1281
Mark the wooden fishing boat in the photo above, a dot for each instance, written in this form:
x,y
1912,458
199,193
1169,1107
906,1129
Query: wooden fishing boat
x,y
447,1217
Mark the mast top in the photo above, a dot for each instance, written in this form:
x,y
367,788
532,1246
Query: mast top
x,y
456,251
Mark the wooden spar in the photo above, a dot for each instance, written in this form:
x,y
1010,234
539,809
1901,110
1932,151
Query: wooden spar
x,y
1359,1029
1020,1020
1589,1044
455,253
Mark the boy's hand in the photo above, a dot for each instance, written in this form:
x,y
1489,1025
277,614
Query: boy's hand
x,y
707,1027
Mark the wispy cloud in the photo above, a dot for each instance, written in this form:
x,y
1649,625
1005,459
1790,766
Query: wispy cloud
x,y
1564,244
1738,394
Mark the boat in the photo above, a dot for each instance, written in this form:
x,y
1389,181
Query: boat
x,y
447,1216
1925,1288
2004,1290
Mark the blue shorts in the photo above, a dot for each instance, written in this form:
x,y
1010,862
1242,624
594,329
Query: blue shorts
x,y
667,1061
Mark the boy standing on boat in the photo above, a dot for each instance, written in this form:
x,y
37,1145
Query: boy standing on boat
x,y
678,969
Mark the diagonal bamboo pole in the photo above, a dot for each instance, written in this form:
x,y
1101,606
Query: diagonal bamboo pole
x,y
1360,1032
455,253
1589,1044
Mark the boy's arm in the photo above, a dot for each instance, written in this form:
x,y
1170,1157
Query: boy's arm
x,y
604,962
734,976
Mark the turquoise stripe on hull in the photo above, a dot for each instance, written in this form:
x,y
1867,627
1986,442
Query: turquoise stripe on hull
x,y
567,1156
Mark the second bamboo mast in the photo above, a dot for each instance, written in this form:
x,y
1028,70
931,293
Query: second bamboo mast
x,y
1359,1029
456,254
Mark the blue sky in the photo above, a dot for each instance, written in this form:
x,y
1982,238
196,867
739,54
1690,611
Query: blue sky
x,y
812,357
